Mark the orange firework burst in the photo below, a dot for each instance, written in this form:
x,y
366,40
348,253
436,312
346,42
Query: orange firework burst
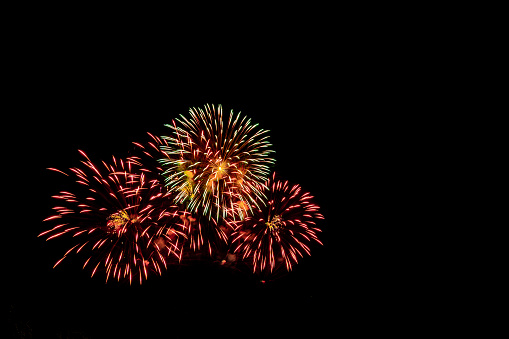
x,y
124,217
216,164
279,232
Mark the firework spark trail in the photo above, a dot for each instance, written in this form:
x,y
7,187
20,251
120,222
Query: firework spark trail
x,y
151,152
215,164
123,216
280,231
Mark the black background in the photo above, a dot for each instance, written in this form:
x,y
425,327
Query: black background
x,y
349,96
78,94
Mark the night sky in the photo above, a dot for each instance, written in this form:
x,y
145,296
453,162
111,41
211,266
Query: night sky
x,y
101,105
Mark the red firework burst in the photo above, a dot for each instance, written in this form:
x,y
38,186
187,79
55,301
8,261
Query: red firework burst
x,y
123,216
279,232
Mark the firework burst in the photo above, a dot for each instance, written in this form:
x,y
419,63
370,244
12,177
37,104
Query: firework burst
x,y
215,164
124,218
279,232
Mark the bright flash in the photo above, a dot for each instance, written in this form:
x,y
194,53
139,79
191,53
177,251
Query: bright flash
x,y
118,220
275,223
